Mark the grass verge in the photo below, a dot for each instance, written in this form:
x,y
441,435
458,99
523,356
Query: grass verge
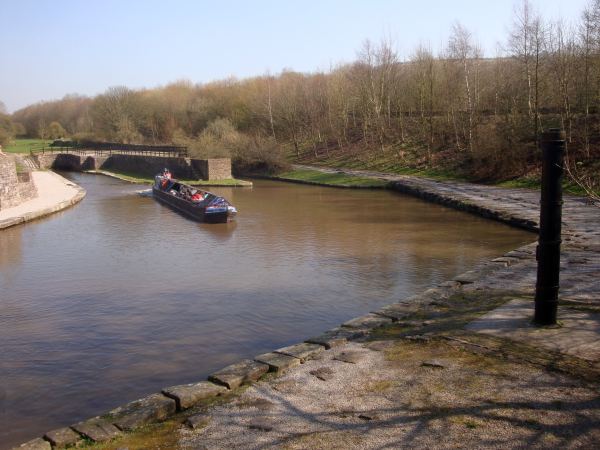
x,y
533,183
139,179
332,179
386,163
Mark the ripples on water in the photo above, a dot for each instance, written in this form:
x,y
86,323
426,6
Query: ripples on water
x,y
120,296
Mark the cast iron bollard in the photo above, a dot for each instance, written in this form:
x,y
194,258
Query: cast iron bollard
x,y
548,250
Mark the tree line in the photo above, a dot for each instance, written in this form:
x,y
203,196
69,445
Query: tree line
x,y
456,110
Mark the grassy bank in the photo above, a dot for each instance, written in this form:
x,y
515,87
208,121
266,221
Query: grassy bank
x,y
24,145
388,163
139,179
332,179
569,187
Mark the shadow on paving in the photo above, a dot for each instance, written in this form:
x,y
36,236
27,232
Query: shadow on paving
x,y
422,420
424,382
467,400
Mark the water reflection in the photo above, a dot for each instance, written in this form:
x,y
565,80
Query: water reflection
x,y
10,249
120,296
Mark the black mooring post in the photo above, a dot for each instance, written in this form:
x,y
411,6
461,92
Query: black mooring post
x,y
548,250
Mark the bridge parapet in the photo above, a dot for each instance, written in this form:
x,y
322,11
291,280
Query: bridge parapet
x,y
146,165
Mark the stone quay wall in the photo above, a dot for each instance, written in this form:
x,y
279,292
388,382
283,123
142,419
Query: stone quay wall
x,y
15,188
213,169
185,168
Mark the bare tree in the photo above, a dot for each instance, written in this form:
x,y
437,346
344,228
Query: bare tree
x,y
463,50
424,63
526,42
588,44
379,74
561,47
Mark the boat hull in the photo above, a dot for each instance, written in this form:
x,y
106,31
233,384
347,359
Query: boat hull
x,y
192,211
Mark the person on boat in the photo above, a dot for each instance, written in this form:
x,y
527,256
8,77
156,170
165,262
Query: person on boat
x,y
197,196
164,183
166,177
184,192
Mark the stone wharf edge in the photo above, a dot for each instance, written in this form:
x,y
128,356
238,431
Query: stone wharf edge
x,y
160,406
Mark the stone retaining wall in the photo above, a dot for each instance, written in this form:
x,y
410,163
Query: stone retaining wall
x,y
26,186
148,166
14,188
33,215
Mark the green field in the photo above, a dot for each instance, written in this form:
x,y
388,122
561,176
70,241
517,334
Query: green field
x,y
24,145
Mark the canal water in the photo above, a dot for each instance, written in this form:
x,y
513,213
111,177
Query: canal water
x,y
120,296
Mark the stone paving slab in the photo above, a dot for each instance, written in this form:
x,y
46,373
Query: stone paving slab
x,y
153,408
468,277
234,375
323,373
197,421
336,337
396,312
350,356
442,292
506,261
187,395
302,351
62,437
328,340
577,335
367,321
278,362
35,444
97,429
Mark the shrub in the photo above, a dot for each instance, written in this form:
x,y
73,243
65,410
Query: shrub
x,y
258,154
55,131
6,129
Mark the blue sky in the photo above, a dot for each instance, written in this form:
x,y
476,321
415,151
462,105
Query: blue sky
x,y
49,48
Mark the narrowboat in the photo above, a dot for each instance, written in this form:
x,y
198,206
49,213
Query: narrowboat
x,y
199,205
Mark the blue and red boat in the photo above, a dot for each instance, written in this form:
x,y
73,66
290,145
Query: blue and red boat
x,y
199,205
